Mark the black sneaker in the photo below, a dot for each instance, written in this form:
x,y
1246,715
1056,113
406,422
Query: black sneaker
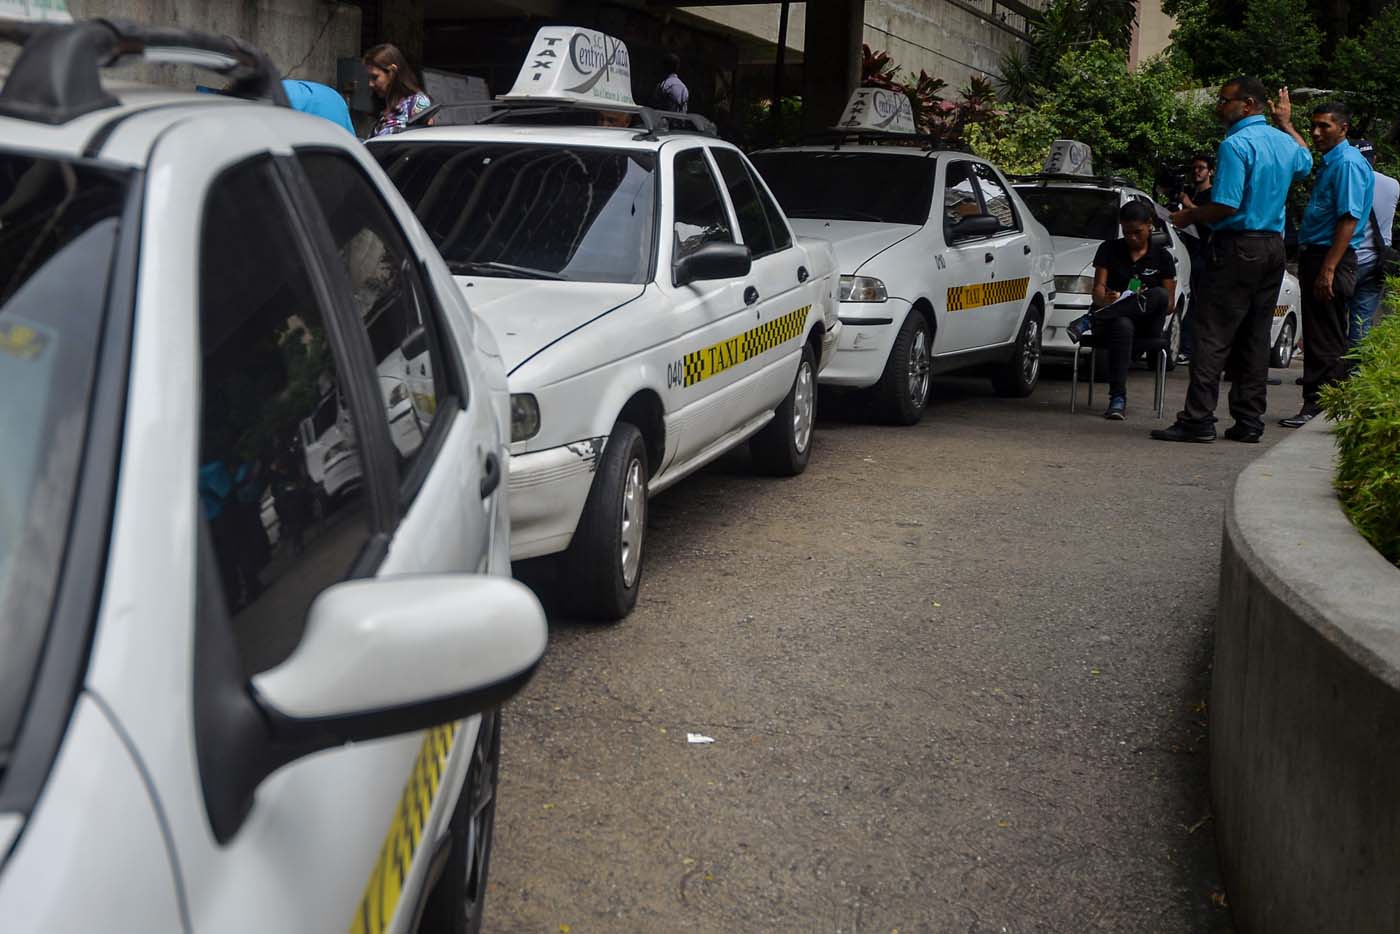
x,y
1117,409
1079,327
1180,432
1306,414
1240,433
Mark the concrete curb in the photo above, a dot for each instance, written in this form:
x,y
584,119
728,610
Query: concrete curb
x,y
1305,704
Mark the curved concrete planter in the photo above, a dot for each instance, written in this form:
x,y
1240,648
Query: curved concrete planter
x,y
1305,704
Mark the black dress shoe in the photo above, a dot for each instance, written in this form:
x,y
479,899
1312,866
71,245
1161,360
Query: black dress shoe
x,y
1305,414
1180,432
1238,432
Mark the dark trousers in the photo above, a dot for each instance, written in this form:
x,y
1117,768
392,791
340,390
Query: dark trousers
x,y
1235,310
1117,324
1325,324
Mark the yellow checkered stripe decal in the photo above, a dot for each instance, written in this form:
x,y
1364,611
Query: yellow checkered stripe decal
x,y
1280,311
405,834
700,365
982,294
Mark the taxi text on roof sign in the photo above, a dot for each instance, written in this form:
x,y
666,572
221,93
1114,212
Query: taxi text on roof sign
x,y
568,64
878,110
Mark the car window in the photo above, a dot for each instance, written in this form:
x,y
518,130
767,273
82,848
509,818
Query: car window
x,y
1081,213
782,239
511,210
281,477
959,194
996,197
700,217
390,296
743,194
59,226
885,188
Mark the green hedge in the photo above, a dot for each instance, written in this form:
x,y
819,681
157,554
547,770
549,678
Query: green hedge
x,y
1366,409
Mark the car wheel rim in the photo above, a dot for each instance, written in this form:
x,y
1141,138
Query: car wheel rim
x,y
1287,341
1030,352
919,369
1174,338
634,509
803,407
482,820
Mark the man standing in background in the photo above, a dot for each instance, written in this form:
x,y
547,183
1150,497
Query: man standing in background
x,y
1254,168
1202,171
671,94
1370,276
1334,226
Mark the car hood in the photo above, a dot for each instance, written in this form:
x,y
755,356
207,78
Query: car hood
x,y
1073,255
855,241
527,315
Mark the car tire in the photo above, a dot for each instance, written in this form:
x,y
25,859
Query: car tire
x,y
1016,378
602,569
783,447
1281,357
1173,342
903,390
457,903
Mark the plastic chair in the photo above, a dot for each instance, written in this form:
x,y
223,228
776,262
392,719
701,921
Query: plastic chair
x,y
1155,347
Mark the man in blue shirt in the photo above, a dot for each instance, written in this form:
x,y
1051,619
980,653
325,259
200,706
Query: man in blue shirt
x,y
319,99
1370,274
1254,168
1334,226
671,94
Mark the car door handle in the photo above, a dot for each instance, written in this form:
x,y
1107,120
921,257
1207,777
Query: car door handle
x,y
802,274
750,295
988,258
491,474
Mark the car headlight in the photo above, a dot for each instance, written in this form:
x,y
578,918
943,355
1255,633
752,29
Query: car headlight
x,y
862,289
524,416
1079,285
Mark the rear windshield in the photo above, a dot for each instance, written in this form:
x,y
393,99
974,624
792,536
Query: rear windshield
x,y
850,186
59,223
531,211
1082,213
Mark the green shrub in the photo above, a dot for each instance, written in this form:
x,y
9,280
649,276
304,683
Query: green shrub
x,y
1366,409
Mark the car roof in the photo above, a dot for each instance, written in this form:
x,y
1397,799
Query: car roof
x,y
1097,184
861,148
610,137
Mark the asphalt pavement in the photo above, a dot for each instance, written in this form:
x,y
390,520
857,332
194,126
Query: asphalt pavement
x,y
956,676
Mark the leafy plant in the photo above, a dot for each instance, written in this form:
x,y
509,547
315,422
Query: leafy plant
x,y
1366,409
878,70
1372,65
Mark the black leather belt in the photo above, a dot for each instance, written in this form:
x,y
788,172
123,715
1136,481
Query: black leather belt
x,y
1249,234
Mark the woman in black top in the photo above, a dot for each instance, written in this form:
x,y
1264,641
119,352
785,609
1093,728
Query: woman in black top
x,y
1129,264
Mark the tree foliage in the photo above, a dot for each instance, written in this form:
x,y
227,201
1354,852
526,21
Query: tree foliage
x,y
1371,62
1064,26
1277,40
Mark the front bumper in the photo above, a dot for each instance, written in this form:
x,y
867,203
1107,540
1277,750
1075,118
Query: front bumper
x,y
1066,307
867,334
548,490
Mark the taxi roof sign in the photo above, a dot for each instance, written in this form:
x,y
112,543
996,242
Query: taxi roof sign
x,y
878,110
583,67
1069,157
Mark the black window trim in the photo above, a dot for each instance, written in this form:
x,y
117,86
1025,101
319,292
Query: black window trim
x,y
714,149
729,216
981,204
402,490
763,193
1020,227
62,667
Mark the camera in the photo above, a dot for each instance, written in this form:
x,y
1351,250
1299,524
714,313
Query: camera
x,y
1173,182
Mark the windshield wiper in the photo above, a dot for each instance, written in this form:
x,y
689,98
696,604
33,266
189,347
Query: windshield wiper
x,y
836,214
509,269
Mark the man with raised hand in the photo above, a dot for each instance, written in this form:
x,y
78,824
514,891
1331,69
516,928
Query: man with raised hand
x,y
1334,227
1254,168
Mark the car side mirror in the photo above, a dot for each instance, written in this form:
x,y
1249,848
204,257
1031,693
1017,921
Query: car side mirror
x,y
713,261
379,657
972,227
415,343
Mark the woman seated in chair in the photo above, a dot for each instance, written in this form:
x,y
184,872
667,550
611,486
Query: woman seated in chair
x,y
1131,264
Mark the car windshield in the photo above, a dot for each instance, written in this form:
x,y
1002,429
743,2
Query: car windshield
x,y
850,186
59,223
1081,213
531,211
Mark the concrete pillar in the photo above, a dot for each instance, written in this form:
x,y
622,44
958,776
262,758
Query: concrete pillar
x,y
831,60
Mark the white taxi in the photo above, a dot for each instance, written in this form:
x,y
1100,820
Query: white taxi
x,y
654,307
223,709
943,268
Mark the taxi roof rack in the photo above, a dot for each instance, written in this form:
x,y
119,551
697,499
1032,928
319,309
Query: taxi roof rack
x,y
57,76
654,123
1115,181
838,136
